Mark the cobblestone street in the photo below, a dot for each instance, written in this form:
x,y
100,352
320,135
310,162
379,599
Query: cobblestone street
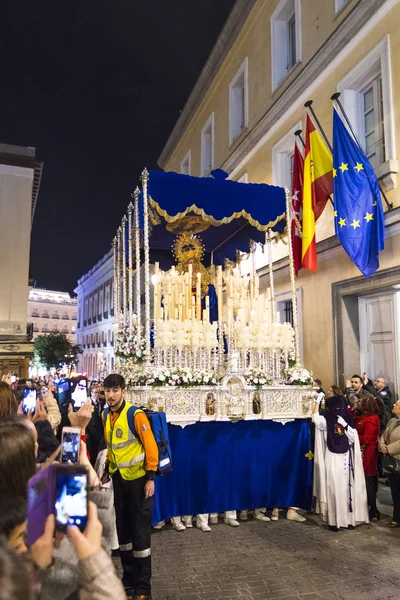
x,y
279,560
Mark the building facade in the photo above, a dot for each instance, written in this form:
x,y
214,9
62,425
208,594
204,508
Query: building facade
x,y
271,57
20,175
51,311
95,329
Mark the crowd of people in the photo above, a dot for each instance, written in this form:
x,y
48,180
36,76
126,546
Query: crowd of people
x,y
357,438
120,455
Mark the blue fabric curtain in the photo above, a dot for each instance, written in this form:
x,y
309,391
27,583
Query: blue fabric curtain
x,y
227,466
218,197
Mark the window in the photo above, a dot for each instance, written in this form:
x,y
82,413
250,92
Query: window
x,y
186,164
101,300
372,122
366,94
284,307
285,39
282,159
207,147
238,103
107,305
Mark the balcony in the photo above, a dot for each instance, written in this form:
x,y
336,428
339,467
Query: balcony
x,y
100,317
35,315
94,319
74,317
93,345
56,316
112,312
65,318
106,314
84,323
78,325
104,344
45,316
89,321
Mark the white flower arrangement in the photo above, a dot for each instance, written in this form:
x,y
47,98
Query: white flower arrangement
x,y
177,377
263,336
127,344
298,375
257,378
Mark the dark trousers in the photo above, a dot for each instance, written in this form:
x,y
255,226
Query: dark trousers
x,y
133,515
394,479
371,483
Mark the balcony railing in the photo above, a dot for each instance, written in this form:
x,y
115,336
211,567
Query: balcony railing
x,y
74,317
112,312
105,344
35,314
94,319
84,323
100,317
106,314
45,316
56,316
93,345
89,321
65,317
78,325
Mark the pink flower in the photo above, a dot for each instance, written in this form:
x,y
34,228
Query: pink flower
x,y
179,382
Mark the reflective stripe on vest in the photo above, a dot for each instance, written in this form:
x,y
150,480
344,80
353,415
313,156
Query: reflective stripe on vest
x,y
125,451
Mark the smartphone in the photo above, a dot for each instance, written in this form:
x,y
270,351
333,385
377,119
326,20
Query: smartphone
x,y
71,497
13,378
29,401
70,443
78,393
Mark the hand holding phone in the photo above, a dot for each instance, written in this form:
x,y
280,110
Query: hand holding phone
x,y
89,542
70,445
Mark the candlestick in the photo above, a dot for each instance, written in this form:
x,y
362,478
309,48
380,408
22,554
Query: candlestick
x,y
198,297
292,280
207,311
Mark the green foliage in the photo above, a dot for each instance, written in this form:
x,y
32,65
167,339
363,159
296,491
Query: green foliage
x,y
55,349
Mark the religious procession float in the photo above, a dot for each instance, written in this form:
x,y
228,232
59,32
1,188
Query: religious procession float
x,y
196,338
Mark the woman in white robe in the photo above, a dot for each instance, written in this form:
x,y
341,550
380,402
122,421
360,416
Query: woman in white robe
x,y
339,483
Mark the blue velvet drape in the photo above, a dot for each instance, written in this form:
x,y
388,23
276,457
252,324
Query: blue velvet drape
x,y
225,466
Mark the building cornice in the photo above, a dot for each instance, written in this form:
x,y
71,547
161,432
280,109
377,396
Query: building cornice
x,y
360,20
105,265
225,41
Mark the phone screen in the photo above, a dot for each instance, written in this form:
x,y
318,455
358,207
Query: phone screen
x,y
79,392
13,378
71,499
70,446
29,403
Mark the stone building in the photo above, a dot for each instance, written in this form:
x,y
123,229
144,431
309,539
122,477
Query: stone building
x,y
270,58
20,175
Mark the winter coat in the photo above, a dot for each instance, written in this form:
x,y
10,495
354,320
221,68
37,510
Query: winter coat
x,y
368,427
99,579
386,400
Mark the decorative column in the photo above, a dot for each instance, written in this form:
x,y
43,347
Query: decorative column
x,y
136,195
124,288
292,277
118,282
130,284
115,286
145,179
271,275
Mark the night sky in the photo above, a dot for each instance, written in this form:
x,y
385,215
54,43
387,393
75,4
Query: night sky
x,y
96,86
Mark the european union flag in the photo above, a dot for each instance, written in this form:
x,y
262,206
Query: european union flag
x,y
359,220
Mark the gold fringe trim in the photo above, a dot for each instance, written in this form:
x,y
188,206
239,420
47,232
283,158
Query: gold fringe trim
x,y
210,219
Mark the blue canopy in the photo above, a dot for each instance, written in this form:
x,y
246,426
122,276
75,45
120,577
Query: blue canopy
x,y
237,213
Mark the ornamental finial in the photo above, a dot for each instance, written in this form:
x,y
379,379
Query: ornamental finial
x,y
145,176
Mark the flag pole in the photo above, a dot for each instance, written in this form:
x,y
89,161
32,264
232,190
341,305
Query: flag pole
x,y
309,107
335,98
297,133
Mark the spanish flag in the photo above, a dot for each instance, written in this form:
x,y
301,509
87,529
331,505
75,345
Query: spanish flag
x,y
317,187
